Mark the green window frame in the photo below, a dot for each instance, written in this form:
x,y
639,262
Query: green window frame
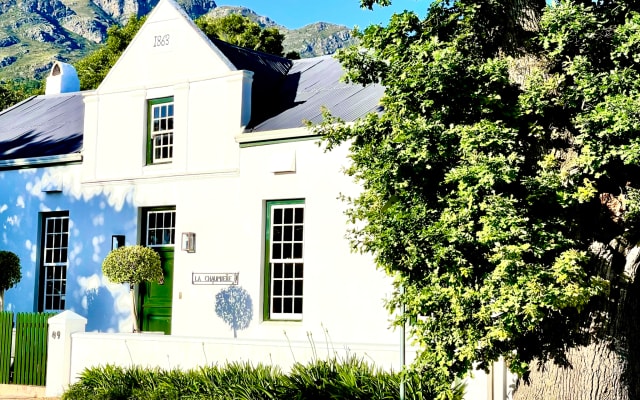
x,y
54,260
160,130
284,260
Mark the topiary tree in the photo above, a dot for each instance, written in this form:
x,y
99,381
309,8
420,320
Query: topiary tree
x,y
234,306
133,265
10,273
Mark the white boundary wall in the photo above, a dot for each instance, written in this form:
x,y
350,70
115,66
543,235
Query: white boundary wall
x,y
73,350
175,352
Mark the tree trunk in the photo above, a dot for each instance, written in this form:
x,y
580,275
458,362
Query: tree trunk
x,y
1,300
608,368
134,307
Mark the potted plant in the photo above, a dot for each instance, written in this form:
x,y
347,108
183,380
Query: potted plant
x,y
133,265
10,273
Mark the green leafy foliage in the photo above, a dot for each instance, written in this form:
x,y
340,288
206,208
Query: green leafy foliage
x,y
13,92
10,273
506,149
349,378
132,264
243,32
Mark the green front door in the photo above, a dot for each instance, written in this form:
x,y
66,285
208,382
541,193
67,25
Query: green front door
x,y
155,298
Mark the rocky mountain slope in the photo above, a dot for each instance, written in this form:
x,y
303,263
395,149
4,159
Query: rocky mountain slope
x,y
33,33
311,40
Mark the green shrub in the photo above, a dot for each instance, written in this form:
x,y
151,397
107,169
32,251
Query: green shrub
x,y
132,264
348,378
10,273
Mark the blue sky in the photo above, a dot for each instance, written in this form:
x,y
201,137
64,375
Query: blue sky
x,y
297,13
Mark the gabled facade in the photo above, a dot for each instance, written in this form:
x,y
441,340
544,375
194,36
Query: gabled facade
x,y
199,150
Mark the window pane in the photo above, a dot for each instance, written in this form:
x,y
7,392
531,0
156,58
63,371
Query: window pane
x,y
277,270
287,250
277,305
277,216
276,251
297,250
288,215
277,233
297,235
277,288
287,305
298,288
288,288
298,270
288,270
297,305
299,215
288,233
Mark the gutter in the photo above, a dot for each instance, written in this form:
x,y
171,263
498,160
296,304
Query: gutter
x,y
34,162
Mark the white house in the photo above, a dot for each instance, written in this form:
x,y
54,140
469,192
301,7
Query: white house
x,y
188,139
200,150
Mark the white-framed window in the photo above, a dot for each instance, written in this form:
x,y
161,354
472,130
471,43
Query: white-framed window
x,y
54,261
160,131
160,227
284,260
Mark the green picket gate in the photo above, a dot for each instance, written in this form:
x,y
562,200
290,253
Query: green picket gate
x,y
30,363
6,331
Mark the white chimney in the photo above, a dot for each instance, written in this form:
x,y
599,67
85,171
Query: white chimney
x,y
62,79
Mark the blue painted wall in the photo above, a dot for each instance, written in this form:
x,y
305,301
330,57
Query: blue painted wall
x,y
95,215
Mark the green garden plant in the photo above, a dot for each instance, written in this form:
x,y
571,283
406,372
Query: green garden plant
x,y
348,378
10,273
133,265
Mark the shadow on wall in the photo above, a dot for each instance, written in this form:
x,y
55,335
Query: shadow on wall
x,y
235,307
94,216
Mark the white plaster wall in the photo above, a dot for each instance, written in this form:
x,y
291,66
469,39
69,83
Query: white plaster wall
x,y
169,352
344,293
168,49
208,115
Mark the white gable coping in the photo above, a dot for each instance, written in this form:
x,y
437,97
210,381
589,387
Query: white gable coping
x,y
168,49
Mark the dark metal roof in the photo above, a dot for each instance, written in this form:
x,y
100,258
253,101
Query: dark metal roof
x,y
287,93
312,84
49,125
269,73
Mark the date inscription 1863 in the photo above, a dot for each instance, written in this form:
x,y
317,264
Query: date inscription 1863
x,y
161,40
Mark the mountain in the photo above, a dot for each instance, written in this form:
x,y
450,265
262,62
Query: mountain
x,y
311,40
34,33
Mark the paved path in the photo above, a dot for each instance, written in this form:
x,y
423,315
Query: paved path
x,y
20,392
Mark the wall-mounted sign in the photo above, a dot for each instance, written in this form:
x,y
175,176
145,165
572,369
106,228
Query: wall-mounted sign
x,y
215,278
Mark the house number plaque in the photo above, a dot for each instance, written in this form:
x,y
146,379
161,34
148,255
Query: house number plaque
x,y
216,278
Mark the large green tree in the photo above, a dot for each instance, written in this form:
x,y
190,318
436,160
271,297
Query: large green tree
x,y
241,31
500,188
13,92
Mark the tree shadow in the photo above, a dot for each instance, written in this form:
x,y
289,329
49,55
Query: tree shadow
x,y
39,144
235,307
